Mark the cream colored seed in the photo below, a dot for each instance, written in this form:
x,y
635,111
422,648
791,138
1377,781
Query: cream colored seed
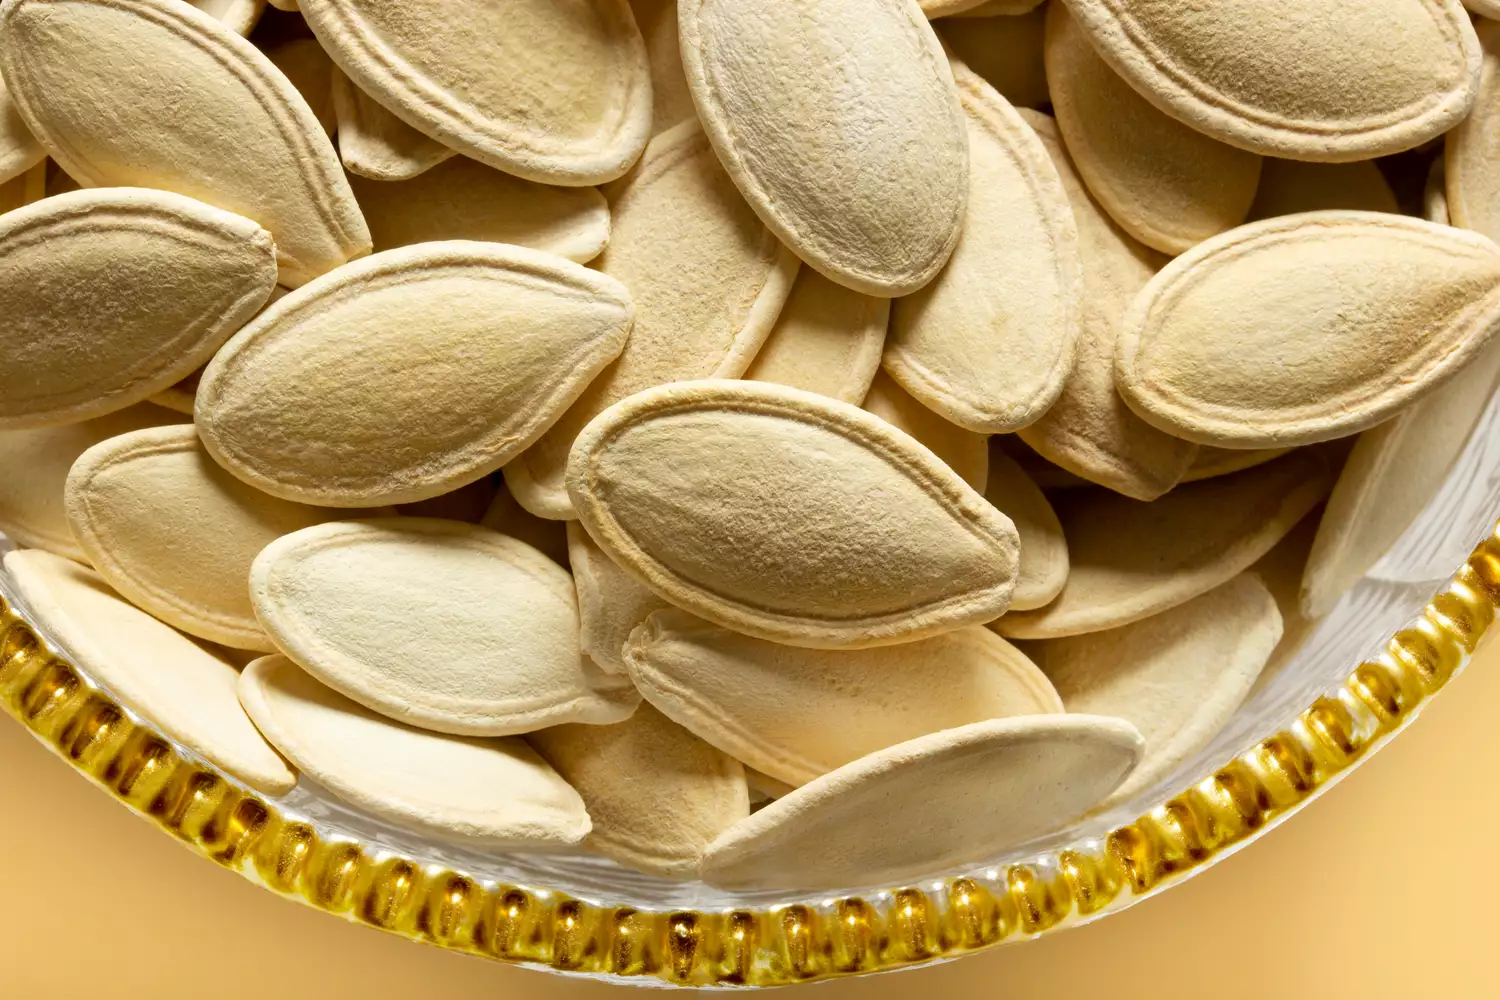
x,y
553,92
1005,51
1288,187
827,340
493,792
1472,150
437,624
182,396
508,517
789,516
308,67
239,16
19,150
376,144
611,602
1212,462
993,8
656,794
671,103
796,714
1044,549
963,451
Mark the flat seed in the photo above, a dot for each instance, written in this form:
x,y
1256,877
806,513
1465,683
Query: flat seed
x,y
1005,51
656,794
993,8
1472,152
308,67
495,792
708,282
548,537
437,624
406,375
558,93
159,673
866,182
1288,187
671,103
1303,79
796,714
19,150
611,602
939,800
1044,550
239,16
168,279
376,144
99,82
1303,329
963,451
1131,560
1213,462
827,340
789,516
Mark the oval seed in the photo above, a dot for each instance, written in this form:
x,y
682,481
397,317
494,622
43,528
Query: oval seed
x,y
796,714
789,516
240,137
307,66
438,624
708,280
1044,549
963,451
656,794
466,200
1178,676
548,537
1131,560
989,343
376,144
1303,79
553,92
1288,187
866,182
495,792
1213,462
1471,153
937,801
827,340
1166,184
19,150
155,671
182,395
1393,472
1005,51
239,16
1090,431
175,533
31,505
410,373
168,280
671,103
1307,328
611,602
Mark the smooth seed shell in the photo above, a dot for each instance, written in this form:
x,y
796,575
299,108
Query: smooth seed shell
x,y
19,150
100,84
1212,462
611,602
1471,155
509,518
1288,187
155,671
656,794
796,714
1306,328
866,181
308,67
827,340
495,792
374,143
239,16
789,516
938,801
963,451
437,624
671,103
410,373
1131,560
1044,550
1005,51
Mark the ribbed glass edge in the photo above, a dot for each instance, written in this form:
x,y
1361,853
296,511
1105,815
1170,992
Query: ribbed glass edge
x,y
774,946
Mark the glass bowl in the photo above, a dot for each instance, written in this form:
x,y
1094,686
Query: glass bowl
x,y
1359,677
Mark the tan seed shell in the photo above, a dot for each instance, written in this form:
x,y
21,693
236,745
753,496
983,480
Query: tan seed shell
x,y
466,200
182,396
992,8
1393,472
1167,184
789,516
1131,560
827,340
468,503
1005,51
168,279
989,343
866,181
963,451
1329,80
938,801
99,82
1213,462
708,279
1307,328
558,93
611,602
763,787
1178,676
796,714
1472,151
308,67
656,794
947,8
438,624
671,103
1090,431
19,150
1288,187
1484,8
175,533
1044,550
548,537
495,792
410,373
376,144
290,5
239,16
1435,197
31,505
155,671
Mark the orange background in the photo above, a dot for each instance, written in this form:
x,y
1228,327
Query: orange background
x,y
1380,889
